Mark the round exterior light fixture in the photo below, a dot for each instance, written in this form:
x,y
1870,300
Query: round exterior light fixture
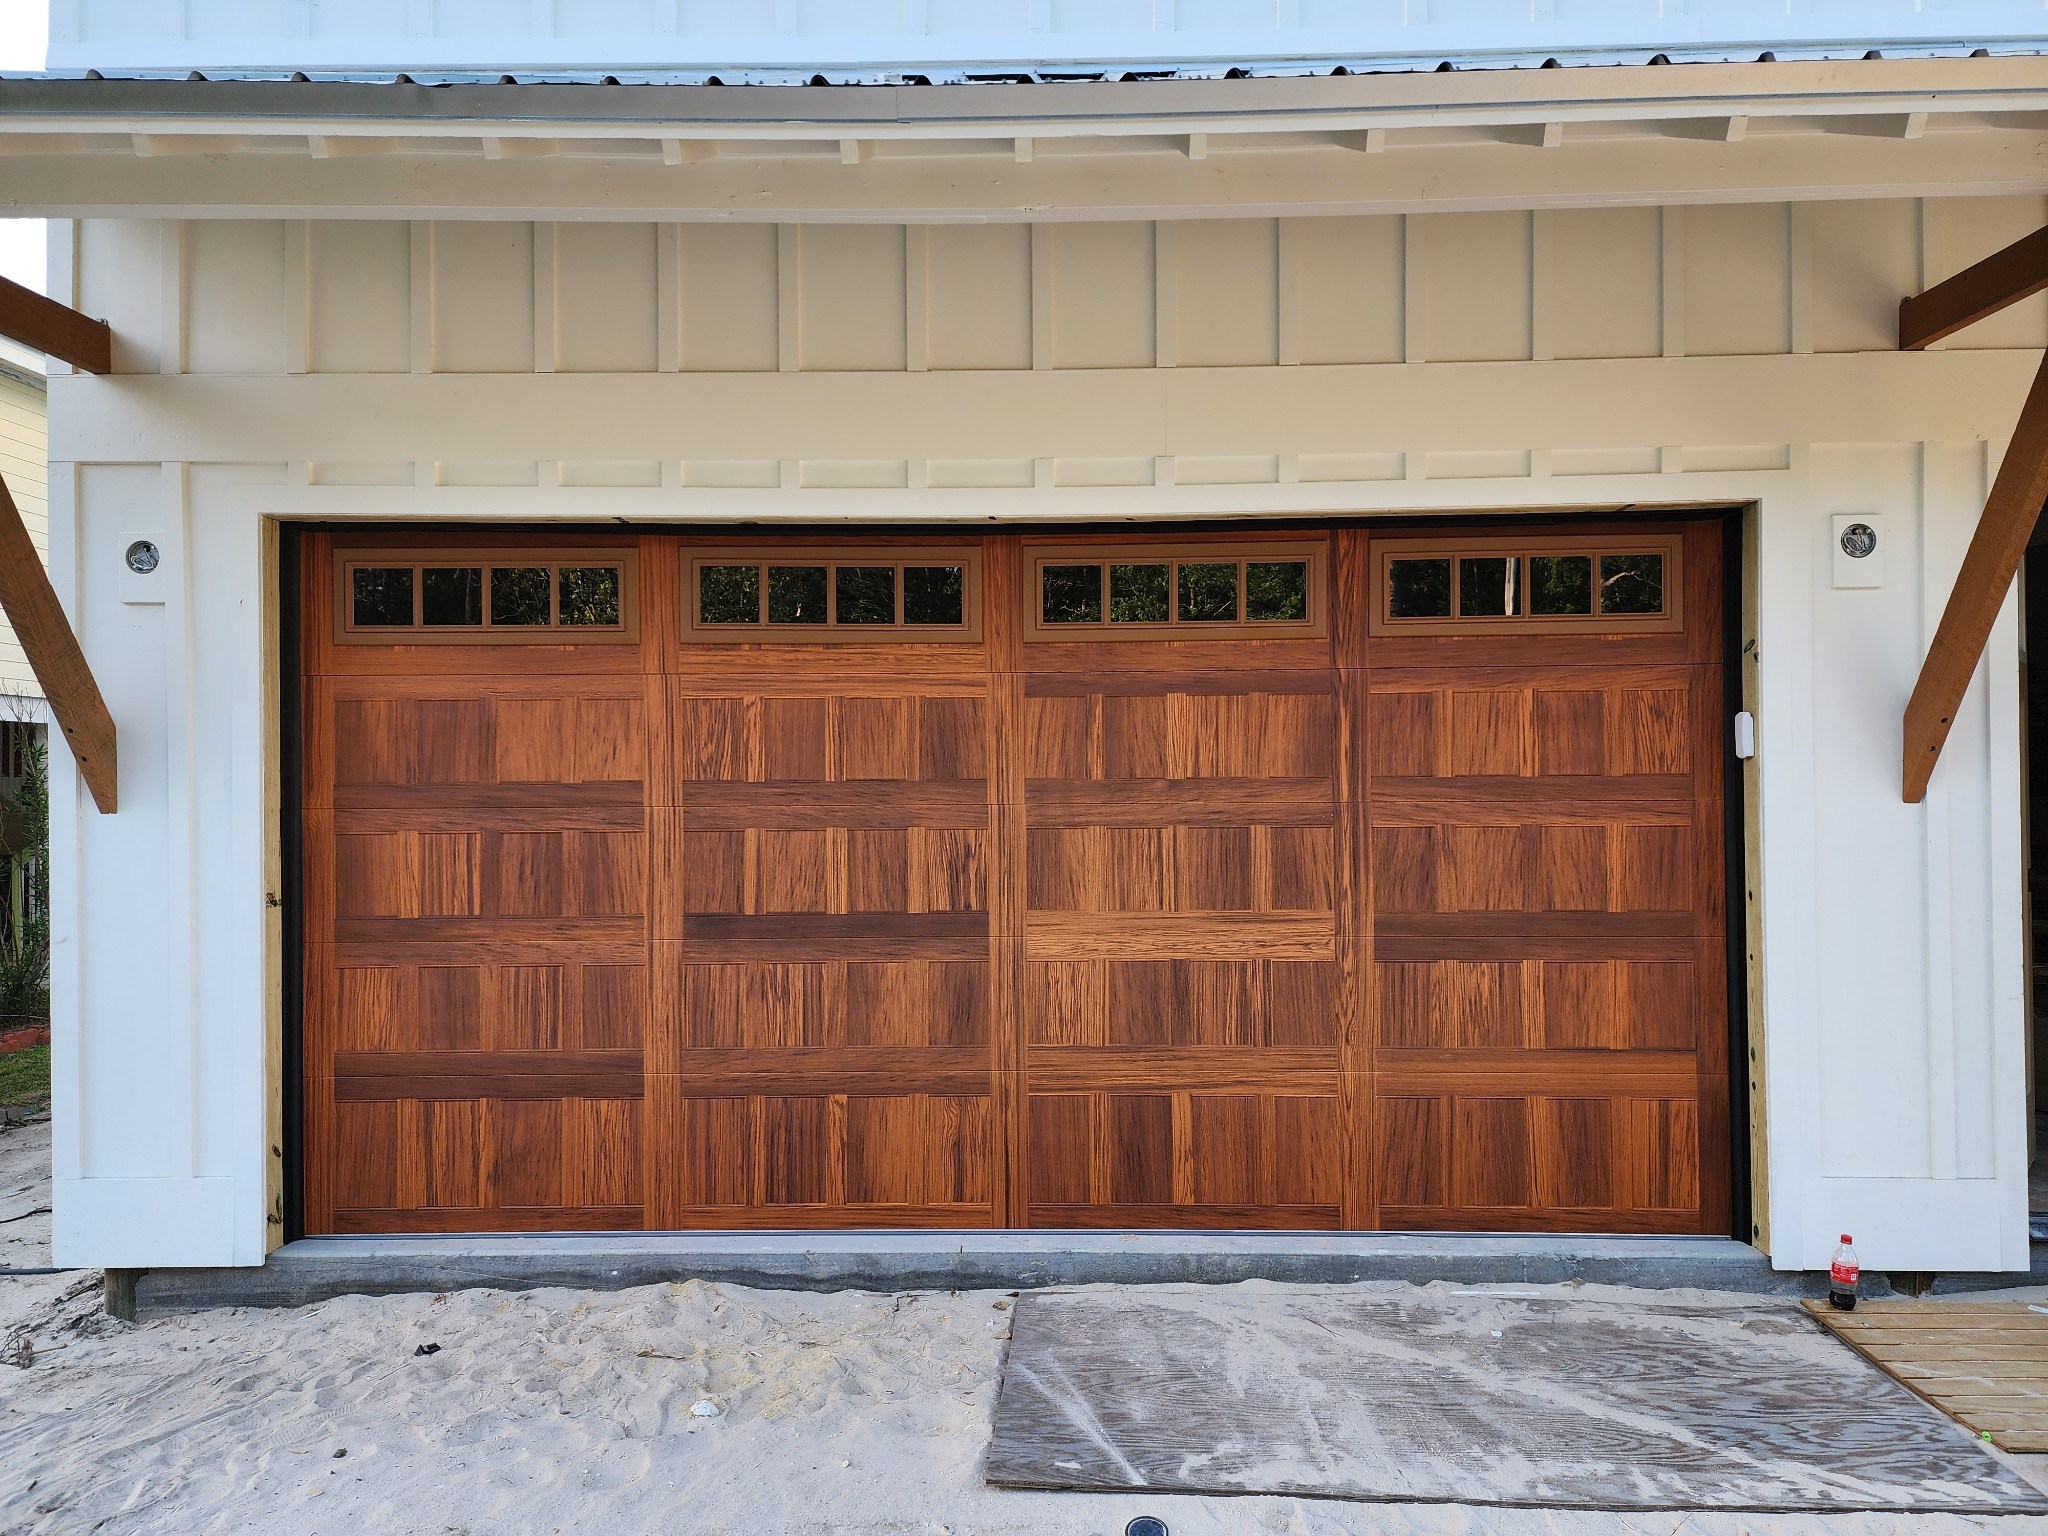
x,y
1858,540
1146,1525
143,557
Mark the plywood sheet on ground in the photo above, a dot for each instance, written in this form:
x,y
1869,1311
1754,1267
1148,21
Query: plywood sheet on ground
x,y
1431,1395
1984,1363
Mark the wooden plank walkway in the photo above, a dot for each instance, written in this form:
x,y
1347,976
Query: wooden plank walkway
x,y
1985,1364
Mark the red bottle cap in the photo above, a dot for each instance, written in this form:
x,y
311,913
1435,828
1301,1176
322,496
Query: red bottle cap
x,y
1845,1237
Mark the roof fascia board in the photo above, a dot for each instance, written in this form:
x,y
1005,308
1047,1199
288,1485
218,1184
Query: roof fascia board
x,y
46,104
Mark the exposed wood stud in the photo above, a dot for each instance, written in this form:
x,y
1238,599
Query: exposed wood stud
x,y
1914,126
1996,549
57,329
53,652
2003,278
1552,135
1198,146
1735,129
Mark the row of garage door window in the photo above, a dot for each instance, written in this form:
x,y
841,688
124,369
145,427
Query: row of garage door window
x,y
1258,590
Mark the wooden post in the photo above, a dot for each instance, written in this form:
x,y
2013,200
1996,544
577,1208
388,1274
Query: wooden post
x,y
53,651
1994,556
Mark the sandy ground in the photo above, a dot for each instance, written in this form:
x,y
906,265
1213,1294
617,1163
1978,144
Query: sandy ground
x,y
25,1195
560,1411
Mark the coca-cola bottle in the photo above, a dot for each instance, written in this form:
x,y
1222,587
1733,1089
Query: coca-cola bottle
x,y
1843,1274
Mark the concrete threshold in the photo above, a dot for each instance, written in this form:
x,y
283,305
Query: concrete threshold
x,y
316,1269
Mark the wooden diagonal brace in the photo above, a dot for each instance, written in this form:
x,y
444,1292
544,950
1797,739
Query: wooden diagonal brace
x,y
2001,279
45,635
1993,558
56,329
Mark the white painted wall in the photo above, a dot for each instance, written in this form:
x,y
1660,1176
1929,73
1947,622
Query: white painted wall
x,y
1721,354
883,35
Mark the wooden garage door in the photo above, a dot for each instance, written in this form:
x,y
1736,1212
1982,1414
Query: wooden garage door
x,y
1188,882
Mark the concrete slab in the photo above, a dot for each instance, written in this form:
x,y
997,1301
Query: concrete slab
x,y
315,1269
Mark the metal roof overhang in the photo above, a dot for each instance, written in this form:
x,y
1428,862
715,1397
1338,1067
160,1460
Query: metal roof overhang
x,y
1096,149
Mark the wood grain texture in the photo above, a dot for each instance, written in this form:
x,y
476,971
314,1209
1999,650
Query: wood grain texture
x,y
1341,931
1997,546
48,641
1985,1364
44,325
1979,291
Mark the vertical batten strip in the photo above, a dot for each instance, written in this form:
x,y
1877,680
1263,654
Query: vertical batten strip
x,y
171,289
1936,577
421,297
1414,293
1041,295
1800,279
1671,250
545,296
297,296
916,297
180,987
788,290
1287,294
1165,294
1543,238
668,298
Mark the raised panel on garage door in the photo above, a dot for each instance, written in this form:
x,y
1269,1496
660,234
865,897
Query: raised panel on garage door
x,y
1548,987
820,1047
1184,968
476,854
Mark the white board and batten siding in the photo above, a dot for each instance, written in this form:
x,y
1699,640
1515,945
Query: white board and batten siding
x,y
502,371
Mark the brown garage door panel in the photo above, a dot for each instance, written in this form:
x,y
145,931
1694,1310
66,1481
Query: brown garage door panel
x,y
1323,929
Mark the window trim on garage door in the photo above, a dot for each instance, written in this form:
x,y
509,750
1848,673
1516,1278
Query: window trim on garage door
x,y
1525,548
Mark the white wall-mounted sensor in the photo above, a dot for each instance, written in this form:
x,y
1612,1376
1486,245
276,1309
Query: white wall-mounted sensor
x,y
1858,549
1745,734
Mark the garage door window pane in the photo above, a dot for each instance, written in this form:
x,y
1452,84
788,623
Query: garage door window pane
x,y
1208,592
1631,583
1561,584
590,596
934,594
519,595
1487,587
381,596
729,594
1419,589
1275,590
866,594
452,594
1071,594
796,594
1138,594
